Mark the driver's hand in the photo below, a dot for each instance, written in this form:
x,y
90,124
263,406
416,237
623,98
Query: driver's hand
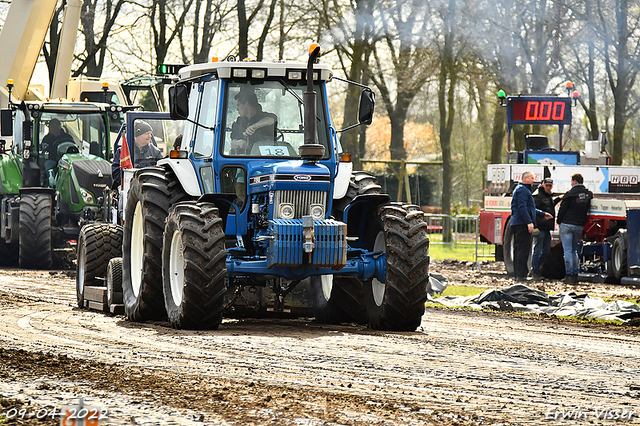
x,y
239,145
250,130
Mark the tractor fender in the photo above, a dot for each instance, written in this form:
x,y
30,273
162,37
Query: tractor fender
x,y
343,177
185,173
361,207
11,176
33,190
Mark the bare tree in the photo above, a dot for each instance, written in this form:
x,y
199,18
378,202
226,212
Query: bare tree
x,y
210,18
447,81
583,71
405,27
618,25
353,32
165,30
92,60
50,48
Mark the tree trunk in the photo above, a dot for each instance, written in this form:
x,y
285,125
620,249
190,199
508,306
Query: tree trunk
x,y
349,139
619,123
51,54
446,106
266,30
243,31
498,134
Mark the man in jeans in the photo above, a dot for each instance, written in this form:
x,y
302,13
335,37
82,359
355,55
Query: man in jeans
x,y
523,219
571,217
542,241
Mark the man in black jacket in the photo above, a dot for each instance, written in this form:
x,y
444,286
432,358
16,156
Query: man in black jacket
x,y
572,216
542,241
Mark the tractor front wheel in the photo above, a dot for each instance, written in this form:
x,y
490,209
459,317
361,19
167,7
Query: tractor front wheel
x,y
194,266
153,190
36,242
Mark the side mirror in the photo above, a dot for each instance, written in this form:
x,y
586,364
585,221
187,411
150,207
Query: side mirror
x,y
367,104
6,122
179,101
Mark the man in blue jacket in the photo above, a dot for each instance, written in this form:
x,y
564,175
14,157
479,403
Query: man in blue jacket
x,y
523,219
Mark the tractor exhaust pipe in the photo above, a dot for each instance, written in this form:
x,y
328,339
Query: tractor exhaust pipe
x,y
311,151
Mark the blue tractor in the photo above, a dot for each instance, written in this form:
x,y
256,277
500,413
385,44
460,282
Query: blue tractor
x,y
259,199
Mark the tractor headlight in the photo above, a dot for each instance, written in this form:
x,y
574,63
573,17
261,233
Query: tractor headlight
x,y
287,211
86,196
316,211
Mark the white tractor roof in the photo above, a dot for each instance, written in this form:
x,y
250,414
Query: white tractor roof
x,y
225,69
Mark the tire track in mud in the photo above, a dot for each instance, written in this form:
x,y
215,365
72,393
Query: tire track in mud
x,y
501,368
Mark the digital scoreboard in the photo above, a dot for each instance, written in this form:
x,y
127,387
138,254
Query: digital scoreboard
x,y
538,110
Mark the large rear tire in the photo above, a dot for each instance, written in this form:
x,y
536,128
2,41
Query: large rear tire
x,y
398,304
36,242
338,299
194,266
152,192
97,244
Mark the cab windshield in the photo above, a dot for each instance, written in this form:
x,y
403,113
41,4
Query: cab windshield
x,y
267,119
62,133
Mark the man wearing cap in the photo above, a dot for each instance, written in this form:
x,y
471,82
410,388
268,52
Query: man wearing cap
x,y
252,125
145,153
542,241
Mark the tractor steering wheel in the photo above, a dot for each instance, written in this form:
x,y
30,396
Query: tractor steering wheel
x,y
64,146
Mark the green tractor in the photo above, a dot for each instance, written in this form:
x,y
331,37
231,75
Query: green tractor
x,y
56,176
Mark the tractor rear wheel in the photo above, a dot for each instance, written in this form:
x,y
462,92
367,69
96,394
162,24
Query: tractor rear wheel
x,y
36,242
338,299
400,232
194,266
153,190
97,244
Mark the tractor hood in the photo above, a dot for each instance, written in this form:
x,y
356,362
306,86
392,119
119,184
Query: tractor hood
x,y
291,175
82,180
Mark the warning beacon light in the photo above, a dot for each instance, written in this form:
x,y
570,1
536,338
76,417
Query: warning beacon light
x,y
502,97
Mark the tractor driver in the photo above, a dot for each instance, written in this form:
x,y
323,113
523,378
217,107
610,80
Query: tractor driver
x,y
51,140
50,144
252,124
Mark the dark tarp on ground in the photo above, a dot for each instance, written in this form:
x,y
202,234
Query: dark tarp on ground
x,y
524,299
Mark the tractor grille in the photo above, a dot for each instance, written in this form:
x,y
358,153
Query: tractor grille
x,y
301,201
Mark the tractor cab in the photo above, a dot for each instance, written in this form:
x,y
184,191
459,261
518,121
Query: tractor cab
x,y
51,135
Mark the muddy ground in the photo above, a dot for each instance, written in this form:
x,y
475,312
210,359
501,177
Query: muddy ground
x,y
460,367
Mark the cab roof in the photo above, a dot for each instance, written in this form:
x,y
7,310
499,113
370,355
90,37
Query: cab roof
x,y
225,69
